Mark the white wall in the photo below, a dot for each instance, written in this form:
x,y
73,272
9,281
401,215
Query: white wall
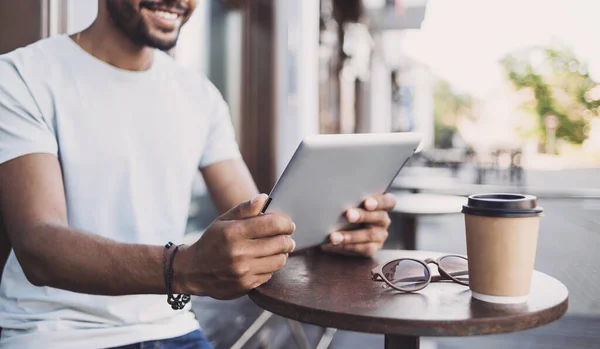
x,y
297,60
234,69
381,89
423,105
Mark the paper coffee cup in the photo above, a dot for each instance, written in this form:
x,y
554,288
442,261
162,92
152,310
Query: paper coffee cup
x,y
502,232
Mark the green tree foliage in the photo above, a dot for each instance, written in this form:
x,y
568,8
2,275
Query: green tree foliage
x,y
448,108
560,85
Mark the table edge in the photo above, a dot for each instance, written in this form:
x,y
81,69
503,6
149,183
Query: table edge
x,y
430,328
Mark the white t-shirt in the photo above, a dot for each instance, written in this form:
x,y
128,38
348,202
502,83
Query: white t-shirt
x,y
129,145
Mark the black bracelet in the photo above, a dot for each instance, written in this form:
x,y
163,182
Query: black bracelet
x,y
177,302
165,265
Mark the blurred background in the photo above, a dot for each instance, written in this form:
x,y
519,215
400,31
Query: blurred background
x,y
506,94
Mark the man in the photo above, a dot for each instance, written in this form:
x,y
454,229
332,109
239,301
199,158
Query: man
x,y
100,138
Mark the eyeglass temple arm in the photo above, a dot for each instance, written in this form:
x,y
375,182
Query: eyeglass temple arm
x,y
444,277
433,277
377,277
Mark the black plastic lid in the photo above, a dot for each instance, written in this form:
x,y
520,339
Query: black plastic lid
x,y
502,205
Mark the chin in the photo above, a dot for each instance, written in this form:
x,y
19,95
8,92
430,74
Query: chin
x,y
162,45
162,42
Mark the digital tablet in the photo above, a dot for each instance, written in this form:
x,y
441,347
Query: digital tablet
x,y
330,174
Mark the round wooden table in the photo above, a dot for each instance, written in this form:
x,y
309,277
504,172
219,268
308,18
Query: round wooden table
x,y
338,292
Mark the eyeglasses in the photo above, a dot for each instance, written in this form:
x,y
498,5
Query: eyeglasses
x,y
411,275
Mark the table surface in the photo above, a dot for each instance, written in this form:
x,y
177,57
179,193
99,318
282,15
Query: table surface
x,y
428,204
335,291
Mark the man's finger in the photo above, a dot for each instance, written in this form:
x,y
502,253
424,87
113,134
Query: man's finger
x,y
272,245
266,226
373,234
358,215
361,249
246,209
268,265
385,202
262,279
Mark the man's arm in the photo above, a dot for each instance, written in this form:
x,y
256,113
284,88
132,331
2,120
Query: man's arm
x,y
33,210
229,183
238,252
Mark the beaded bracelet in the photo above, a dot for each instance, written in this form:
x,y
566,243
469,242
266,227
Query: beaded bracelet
x,y
177,302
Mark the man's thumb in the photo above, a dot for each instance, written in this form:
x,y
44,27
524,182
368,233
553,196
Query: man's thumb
x,y
246,209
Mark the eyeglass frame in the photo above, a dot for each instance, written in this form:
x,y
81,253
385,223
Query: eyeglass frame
x,y
377,272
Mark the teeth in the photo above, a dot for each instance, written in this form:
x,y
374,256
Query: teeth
x,y
166,15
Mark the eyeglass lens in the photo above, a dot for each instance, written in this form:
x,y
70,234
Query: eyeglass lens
x,y
456,267
406,274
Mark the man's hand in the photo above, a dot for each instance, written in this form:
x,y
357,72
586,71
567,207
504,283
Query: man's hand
x,y
367,241
239,252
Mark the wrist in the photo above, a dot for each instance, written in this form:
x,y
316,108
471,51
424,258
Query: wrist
x,y
182,283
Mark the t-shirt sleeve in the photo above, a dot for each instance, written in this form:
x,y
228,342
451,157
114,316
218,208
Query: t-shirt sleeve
x,y
220,144
23,130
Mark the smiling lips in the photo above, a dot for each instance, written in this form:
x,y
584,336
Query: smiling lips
x,y
164,16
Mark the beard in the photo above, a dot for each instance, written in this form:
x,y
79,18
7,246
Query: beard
x,y
139,29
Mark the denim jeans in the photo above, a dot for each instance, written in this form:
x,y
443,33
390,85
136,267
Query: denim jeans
x,y
192,340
